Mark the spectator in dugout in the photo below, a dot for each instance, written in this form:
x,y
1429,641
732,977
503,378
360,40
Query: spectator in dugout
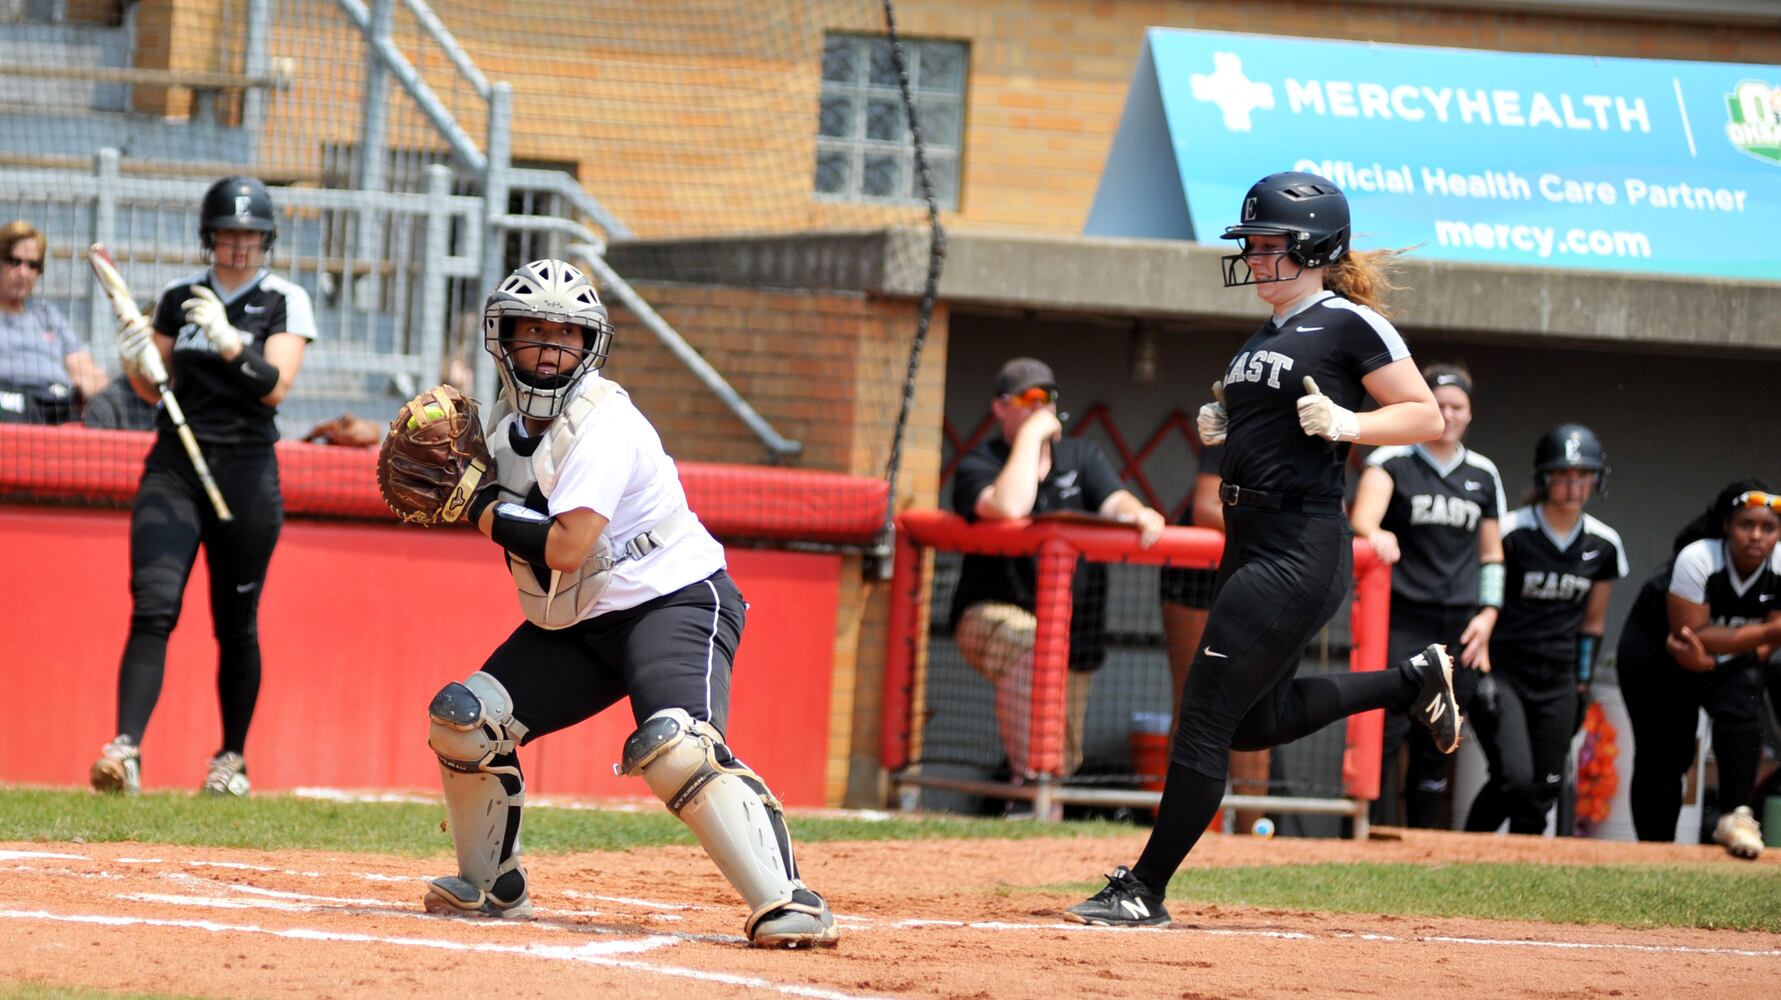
x,y
1032,468
44,370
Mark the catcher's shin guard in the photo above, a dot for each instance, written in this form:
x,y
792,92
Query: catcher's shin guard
x,y
738,822
474,734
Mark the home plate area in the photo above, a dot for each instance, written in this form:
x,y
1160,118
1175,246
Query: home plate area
x,y
931,919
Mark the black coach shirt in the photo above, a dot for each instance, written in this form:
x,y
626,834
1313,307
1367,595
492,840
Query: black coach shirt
x,y
1547,580
217,405
1336,342
1435,511
1081,479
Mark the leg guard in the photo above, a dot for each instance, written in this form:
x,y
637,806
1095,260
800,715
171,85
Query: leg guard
x,y
738,822
474,734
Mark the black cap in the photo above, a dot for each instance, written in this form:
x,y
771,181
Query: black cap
x,y
1021,374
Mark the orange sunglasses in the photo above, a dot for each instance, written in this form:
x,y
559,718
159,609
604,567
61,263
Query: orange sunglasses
x,y
1035,397
1757,499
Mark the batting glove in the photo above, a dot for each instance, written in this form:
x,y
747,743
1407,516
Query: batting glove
x,y
1321,416
205,311
134,338
1213,422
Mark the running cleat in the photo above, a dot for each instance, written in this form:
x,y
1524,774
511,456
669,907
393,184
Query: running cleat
x,y
805,922
1739,833
228,776
1126,902
1436,707
454,896
119,768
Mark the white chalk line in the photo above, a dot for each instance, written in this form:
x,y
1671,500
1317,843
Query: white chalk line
x,y
916,923
602,954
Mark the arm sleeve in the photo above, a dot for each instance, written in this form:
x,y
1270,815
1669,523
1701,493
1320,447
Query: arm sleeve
x,y
976,470
1099,481
1688,580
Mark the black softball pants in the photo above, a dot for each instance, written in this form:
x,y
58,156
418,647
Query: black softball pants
x,y
171,518
1281,580
1663,701
1526,741
1413,627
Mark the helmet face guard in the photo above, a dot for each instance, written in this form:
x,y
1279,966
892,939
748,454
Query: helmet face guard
x,y
1309,212
240,203
556,292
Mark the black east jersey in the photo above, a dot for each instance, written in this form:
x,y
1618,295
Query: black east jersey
x,y
1435,511
217,406
1546,581
1703,574
1337,343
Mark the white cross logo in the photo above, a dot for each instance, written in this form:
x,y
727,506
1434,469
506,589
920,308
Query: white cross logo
x,y
1235,94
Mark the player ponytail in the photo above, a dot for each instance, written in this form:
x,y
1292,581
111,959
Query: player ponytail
x,y
1364,277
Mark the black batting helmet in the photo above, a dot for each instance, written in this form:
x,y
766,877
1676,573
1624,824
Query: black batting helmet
x,y
1311,212
1570,446
237,203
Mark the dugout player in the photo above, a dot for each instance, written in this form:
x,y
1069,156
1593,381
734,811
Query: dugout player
x,y
625,595
1288,554
1032,468
1559,566
1430,512
1698,637
232,338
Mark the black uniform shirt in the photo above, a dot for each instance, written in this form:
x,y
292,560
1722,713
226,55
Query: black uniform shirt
x,y
1704,574
217,405
1080,479
1547,579
1435,511
1336,342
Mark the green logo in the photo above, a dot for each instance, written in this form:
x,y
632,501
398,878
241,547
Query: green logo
x,y
1754,125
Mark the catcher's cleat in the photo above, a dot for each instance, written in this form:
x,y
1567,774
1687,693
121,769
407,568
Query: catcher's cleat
x,y
1436,707
1126,902
1739,833
805,922
454,896
119,767
228,776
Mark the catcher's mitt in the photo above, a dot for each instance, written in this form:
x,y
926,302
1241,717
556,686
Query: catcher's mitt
x,y
434,457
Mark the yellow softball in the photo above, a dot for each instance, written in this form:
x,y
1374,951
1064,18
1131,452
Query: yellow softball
x,y
433,412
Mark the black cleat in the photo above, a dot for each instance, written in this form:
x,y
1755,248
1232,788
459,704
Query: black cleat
x,y
1436,707
1126,902
459,897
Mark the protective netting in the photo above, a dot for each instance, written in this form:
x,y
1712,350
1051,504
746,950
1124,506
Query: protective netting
x,y
416,154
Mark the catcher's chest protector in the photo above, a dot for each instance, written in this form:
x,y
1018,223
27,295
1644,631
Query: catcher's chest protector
x,y
571,595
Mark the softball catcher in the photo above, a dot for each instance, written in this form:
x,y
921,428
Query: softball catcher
x,y
624,593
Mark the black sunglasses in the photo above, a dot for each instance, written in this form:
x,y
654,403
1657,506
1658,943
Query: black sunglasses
x,y
35,265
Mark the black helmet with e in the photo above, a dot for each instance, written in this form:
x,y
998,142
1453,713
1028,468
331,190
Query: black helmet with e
x,y
1308,211
241,203
1570,446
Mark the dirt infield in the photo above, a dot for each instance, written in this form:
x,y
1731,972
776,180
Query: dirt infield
x,y
925,919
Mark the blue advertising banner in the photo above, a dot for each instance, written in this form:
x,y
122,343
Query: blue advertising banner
x,y
1489,157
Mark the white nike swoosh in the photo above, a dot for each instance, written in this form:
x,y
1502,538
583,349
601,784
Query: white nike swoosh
x,y
1216,656
1587,556
248,370
243,588
1307,329
1766,597
255,309
1472,484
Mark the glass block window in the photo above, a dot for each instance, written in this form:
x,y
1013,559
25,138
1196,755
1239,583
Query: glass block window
x,y
863,148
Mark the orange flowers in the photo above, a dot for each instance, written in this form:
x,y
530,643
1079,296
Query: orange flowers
x,y
1597,776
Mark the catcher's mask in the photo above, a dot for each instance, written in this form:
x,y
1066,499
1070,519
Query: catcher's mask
x,y
1309,211
555,291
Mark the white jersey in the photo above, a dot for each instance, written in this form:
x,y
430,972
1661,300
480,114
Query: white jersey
x,y
617,469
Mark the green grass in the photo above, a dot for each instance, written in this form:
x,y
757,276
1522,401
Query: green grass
x,y
1734,897
283,822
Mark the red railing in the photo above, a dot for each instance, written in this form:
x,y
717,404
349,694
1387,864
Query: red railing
x,y
1057,544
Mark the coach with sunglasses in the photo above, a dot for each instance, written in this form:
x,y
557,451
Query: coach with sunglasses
x,y
1031,468
42,363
